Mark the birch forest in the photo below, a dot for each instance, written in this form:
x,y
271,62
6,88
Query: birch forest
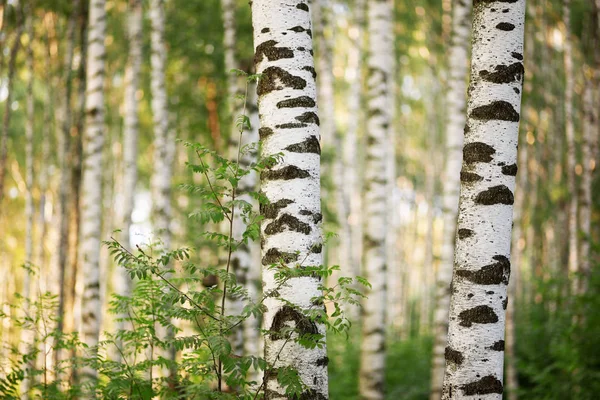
x,y
300,199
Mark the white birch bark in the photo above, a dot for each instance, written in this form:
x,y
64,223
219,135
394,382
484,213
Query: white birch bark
x,y
242,260
28,334
352,187
573,262
351,161
163,148
122,283
291,231
164,141
475,352
455,122
91,193
379,120
250,273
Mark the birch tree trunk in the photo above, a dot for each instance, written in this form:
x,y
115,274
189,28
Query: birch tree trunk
x,y
352,187
249,271
291,231
164,142
163,154
379,121
475,352
64,142
571,155
241,260
123,283
28,334
91,193
455,123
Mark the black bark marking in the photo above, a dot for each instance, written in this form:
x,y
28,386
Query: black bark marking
x,y
265,30
493,274
272,53
285,173
370,243
288,314
310,145
517,91
497,110
469,177
453,355
486,385
317,217
273,77
464,233
504,73
302,6
302,101
505,26
504,303
495,195
311,70
312,394
477,152
478,315
264,132
274,256
516,55
323,362
271,210
510,170
297,29
317,248
497,346
287,222
309,117
291,125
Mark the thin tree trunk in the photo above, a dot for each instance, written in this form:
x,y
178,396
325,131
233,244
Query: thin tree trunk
x,y
122,282
164,143
512,383
475,352
91,200
64,142
379,121
161,178
241,259
8,102
28,334
590,136
571,155
455,123
352,187
250,268
291,231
